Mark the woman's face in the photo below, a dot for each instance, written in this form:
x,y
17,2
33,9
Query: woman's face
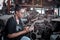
x,y
20,14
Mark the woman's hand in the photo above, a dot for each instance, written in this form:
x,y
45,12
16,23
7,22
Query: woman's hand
x,y
26,29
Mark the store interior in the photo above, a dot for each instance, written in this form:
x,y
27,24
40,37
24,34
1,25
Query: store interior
x,y
44,15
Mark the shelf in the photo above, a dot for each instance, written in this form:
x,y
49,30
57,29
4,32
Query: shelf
x,y
32,5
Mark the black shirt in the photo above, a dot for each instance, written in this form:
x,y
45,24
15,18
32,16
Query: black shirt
x,y
13,27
